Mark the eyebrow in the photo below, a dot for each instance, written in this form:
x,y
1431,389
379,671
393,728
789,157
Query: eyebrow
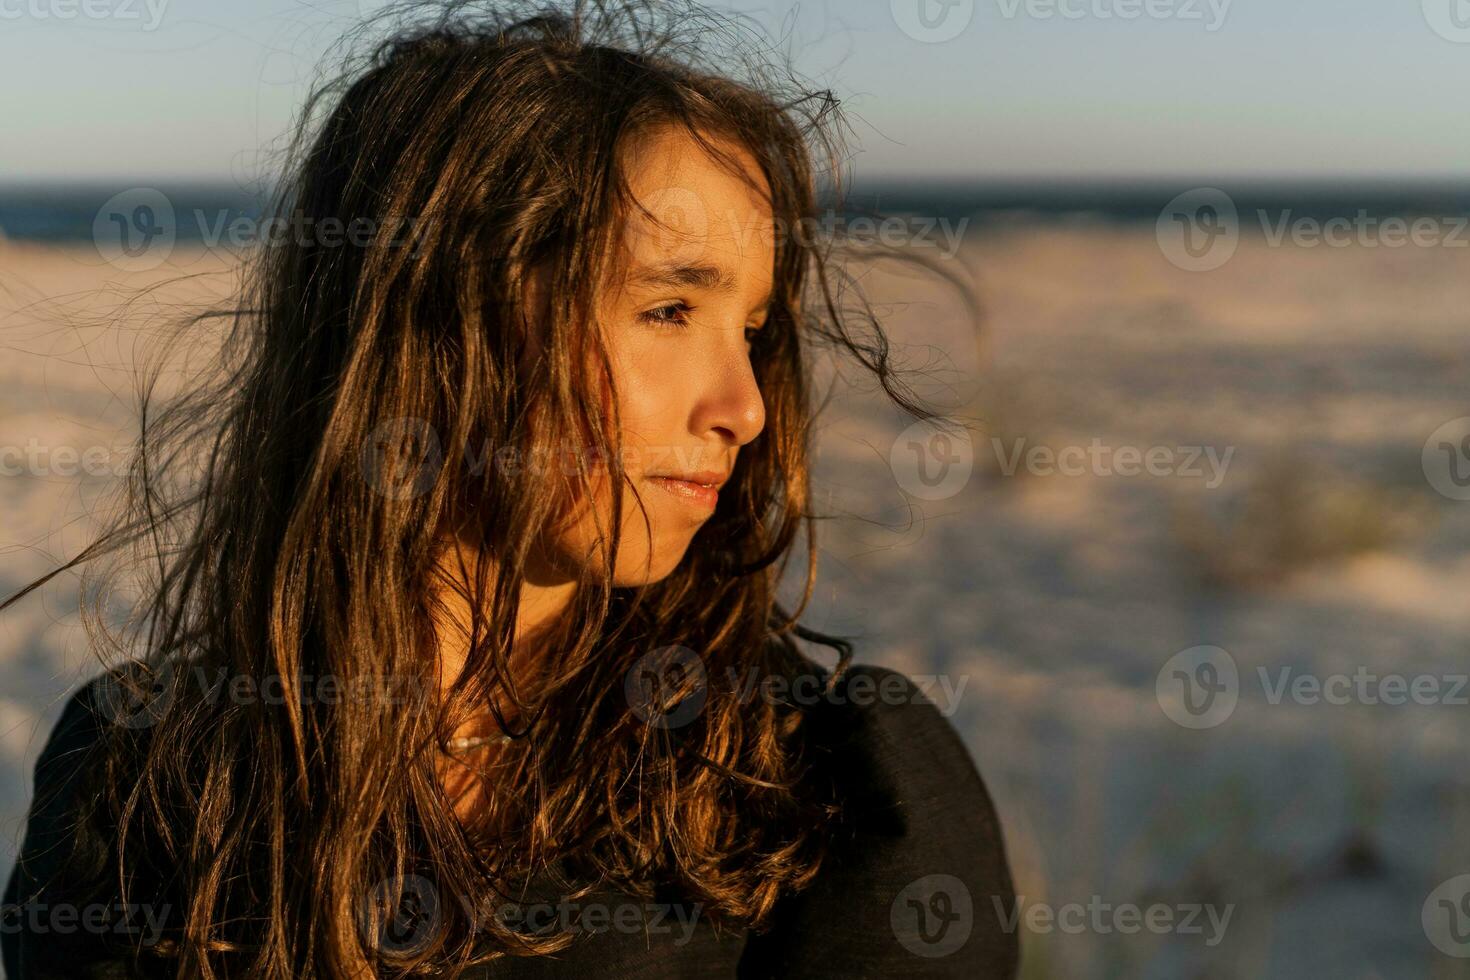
x,y
707,277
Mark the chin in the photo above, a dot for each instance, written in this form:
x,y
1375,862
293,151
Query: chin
x,y
641,569
644,574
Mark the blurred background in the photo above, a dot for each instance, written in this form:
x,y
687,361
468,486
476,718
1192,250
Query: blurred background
x,y
1192,579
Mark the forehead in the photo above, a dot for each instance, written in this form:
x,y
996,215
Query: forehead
x,y
690,208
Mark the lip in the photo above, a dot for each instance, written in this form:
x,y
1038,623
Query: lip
x,y
700,489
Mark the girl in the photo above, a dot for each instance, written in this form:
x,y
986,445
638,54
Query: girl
x,y
461,653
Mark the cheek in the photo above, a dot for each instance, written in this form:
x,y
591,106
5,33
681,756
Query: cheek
x,y
646,411
647,551
583,505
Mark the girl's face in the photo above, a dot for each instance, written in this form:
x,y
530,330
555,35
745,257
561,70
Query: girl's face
x,y
694,285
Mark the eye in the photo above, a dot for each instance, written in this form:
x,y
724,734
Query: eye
x,y
670,315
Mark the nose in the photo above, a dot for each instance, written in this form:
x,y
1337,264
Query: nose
x,y
731,405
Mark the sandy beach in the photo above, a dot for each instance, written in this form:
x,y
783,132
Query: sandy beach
x,y
1158,459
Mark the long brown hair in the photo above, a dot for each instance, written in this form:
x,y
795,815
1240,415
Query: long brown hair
x,y
278,544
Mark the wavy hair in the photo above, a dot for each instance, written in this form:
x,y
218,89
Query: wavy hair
x,y
291,508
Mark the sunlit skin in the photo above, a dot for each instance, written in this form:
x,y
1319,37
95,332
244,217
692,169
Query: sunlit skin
x,y
694,285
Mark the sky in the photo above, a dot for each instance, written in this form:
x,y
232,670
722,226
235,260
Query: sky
x,y
989,89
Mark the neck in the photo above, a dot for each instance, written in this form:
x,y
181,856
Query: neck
x,y
544,599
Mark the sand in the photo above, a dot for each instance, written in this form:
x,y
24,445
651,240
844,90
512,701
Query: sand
x,y
1048,603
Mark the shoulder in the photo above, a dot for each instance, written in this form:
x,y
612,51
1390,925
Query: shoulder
x,y
892,733
115,702
901,766
916,872
109,701
67,749
54,884
59,783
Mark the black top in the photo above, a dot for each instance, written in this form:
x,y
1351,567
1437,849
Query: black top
x,y
918,884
